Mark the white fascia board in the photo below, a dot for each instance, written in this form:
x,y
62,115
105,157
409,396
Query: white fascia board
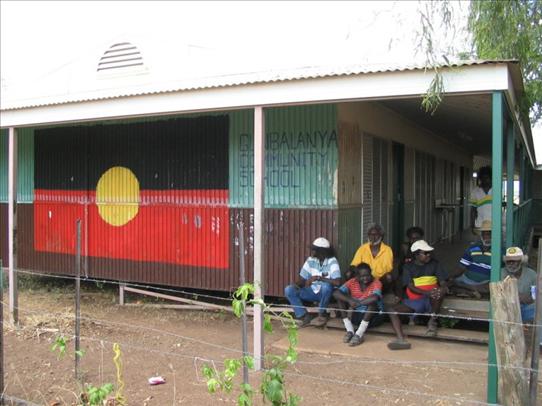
x,y
510,95
371,86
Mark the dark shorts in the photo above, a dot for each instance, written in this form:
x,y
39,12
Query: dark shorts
x,y
422,305
376,320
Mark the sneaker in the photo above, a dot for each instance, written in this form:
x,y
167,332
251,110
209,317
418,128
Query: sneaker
x,y
356,340
347,337
399,345
321,320
305,320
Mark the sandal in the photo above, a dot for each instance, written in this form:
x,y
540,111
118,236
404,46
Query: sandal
x,y
356,340
431,329
320,321
399,345
347,337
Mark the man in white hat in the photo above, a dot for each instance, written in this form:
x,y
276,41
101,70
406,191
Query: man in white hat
x,y
317,278
425,283
474,271
515,267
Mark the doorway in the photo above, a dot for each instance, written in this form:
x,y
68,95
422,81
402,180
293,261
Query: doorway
x,y
398,186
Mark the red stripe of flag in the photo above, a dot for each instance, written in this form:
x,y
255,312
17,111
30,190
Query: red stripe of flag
x,y
171,227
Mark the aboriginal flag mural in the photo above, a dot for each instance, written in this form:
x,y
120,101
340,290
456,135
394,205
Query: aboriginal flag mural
x,y
154,191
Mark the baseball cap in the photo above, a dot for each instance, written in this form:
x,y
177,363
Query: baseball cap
x,y
320,242
421,245
486,225
513,254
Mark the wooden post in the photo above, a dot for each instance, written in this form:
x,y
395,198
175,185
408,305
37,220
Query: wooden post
x,y
509,342
121,293
12,227
242,282
496,232
533,380
1,333
77,298
259,274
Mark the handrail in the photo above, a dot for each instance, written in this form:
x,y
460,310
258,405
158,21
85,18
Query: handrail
x,y
522,221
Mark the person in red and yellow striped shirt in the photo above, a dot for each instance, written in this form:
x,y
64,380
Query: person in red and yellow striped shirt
x,y
425,281
362,294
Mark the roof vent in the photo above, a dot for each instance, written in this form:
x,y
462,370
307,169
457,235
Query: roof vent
x,y
120,57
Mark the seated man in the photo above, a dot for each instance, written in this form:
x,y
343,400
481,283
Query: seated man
x,y
475,272
318,277
514,267
413,234
377,255
425,282
363,294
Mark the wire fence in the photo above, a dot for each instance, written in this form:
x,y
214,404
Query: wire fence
x,y
201,357
272,305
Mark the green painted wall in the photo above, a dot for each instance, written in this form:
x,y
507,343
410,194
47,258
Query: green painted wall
x,y
25,180
301,157
25,174
3,166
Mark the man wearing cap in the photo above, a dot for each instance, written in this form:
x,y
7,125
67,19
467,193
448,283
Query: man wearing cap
x,y
514,267
474,273
376,254
425,282
318,277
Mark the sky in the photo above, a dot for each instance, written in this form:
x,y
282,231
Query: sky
x,y
38,38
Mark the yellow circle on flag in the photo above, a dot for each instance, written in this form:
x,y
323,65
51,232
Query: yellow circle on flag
x,y
117,196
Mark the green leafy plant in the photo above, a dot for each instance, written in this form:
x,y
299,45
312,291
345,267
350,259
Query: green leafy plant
x,y
59,345
448,322
95,396
272,386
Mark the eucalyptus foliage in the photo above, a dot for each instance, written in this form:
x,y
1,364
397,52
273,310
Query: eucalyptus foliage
x,y
499,30
512,30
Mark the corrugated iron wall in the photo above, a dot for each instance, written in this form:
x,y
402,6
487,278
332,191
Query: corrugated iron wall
x,y
71,162
377,182
150,192
288,235
25,174
4,165
301,157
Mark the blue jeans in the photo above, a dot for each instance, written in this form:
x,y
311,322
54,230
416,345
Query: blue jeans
x,y
295,295
527,312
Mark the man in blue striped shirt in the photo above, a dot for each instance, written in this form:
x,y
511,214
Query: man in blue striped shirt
x,y
317,278
475,265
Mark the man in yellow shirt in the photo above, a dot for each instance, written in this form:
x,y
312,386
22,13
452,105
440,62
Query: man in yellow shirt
x,y
376,254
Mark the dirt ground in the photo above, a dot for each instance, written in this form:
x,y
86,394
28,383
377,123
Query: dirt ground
x,y
174,344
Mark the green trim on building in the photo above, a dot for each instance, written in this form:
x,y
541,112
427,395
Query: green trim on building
x,y
25,174
4,140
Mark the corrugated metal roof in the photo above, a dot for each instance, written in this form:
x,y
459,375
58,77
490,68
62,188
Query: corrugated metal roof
x,y
89,87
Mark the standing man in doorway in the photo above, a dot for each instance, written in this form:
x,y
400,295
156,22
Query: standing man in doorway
x,y
480,200
377,255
